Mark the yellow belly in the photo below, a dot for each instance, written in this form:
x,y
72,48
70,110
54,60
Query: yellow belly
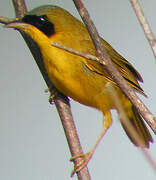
x,y
72,77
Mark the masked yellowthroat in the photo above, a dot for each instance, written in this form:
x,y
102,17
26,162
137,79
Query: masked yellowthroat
x,y
77,77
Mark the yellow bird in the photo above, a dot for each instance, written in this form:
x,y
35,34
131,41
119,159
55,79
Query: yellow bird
x,y
77,77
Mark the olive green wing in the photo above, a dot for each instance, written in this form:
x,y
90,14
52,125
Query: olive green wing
x,y
127,71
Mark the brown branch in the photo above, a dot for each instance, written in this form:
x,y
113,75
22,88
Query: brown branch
x,y
145,25
106,61
72,137
20,7
61,102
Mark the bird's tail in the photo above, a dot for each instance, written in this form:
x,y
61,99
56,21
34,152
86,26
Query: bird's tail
x,y
139,125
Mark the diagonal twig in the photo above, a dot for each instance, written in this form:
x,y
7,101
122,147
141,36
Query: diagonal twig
x,y
106,61
145,25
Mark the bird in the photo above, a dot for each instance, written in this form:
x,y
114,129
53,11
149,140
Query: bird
x,y
77,77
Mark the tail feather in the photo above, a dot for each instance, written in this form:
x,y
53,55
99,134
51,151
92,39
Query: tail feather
x,y
140,127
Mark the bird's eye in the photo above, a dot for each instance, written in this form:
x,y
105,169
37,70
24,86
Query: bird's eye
x,y
40,22
43,18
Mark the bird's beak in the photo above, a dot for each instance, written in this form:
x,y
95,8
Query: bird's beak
x,y
17,25
29,29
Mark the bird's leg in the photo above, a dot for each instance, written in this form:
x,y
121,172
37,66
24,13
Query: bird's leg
x,y
107,121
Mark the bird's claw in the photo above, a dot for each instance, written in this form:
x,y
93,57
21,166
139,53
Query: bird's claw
x,y
84,159
53,94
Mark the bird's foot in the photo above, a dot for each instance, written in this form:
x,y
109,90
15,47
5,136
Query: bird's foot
x,y
82,162
53,93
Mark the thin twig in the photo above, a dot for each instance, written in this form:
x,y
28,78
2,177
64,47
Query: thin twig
x,y
105,60
88,56
61,102
149,158
145,25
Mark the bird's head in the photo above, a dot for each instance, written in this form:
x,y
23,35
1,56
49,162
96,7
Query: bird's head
x,y
47,20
